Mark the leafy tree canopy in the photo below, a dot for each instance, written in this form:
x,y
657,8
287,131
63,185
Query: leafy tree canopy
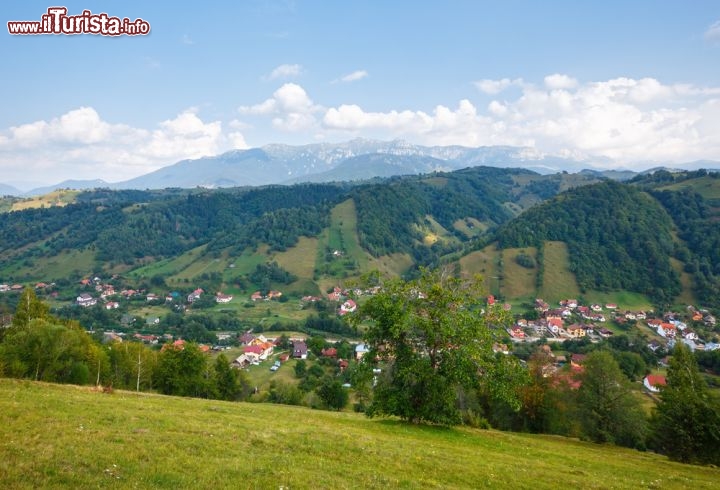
x,y
432,337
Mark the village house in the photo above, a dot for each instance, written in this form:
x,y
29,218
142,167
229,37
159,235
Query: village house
x,y
554,324
300,349
258,340
654,323
223,298
516,332
246,338
360,351
541,306
241,361
576,331
569,303
667,330
336,294
112,305
195,295
654,382
147,339
257,353
85,300
329,352
584,311
539,327
348,306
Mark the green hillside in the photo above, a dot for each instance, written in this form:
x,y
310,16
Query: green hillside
x,y
56,436
618,238
654,239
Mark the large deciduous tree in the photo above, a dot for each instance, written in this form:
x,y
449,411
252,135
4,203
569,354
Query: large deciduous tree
x,y
686,422
608,410
433,339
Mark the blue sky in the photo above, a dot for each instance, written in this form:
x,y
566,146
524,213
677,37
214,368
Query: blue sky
x,y
617,83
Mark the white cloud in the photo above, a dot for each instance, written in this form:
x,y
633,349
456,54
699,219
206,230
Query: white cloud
x,y
291,108
713,32
352,77
80,144
559,81
187,40
627,120
494,87
285,71
624,119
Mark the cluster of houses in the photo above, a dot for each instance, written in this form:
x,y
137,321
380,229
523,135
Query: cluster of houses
x,y
568,321
343,296
255,349
4,288
106,291
672,328
258,348
571,320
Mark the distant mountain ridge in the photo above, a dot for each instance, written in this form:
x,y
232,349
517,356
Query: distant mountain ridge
x,y
357,159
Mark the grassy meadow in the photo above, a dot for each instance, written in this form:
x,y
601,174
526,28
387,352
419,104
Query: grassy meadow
x,y
558,282
54,436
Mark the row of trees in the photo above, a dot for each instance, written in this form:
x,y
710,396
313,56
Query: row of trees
x,y
42,347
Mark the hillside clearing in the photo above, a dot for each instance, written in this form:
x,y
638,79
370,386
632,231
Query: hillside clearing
x,y
518,281
485,263
65,436
558,281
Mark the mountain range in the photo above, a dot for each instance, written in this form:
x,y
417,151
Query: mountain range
x,y
358,159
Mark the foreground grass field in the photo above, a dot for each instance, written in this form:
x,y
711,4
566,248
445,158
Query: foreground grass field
x,y
55,436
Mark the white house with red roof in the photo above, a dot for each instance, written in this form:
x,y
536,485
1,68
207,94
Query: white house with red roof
x,y
654,382
223,298
348,306
195,295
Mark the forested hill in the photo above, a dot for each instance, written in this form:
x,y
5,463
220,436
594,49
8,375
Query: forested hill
x,y
618,237
422,216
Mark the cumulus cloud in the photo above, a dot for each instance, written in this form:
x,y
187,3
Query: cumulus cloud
x,y
80,144
285,71
291,108
713,32
559,81
352,77
625,119
494,87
